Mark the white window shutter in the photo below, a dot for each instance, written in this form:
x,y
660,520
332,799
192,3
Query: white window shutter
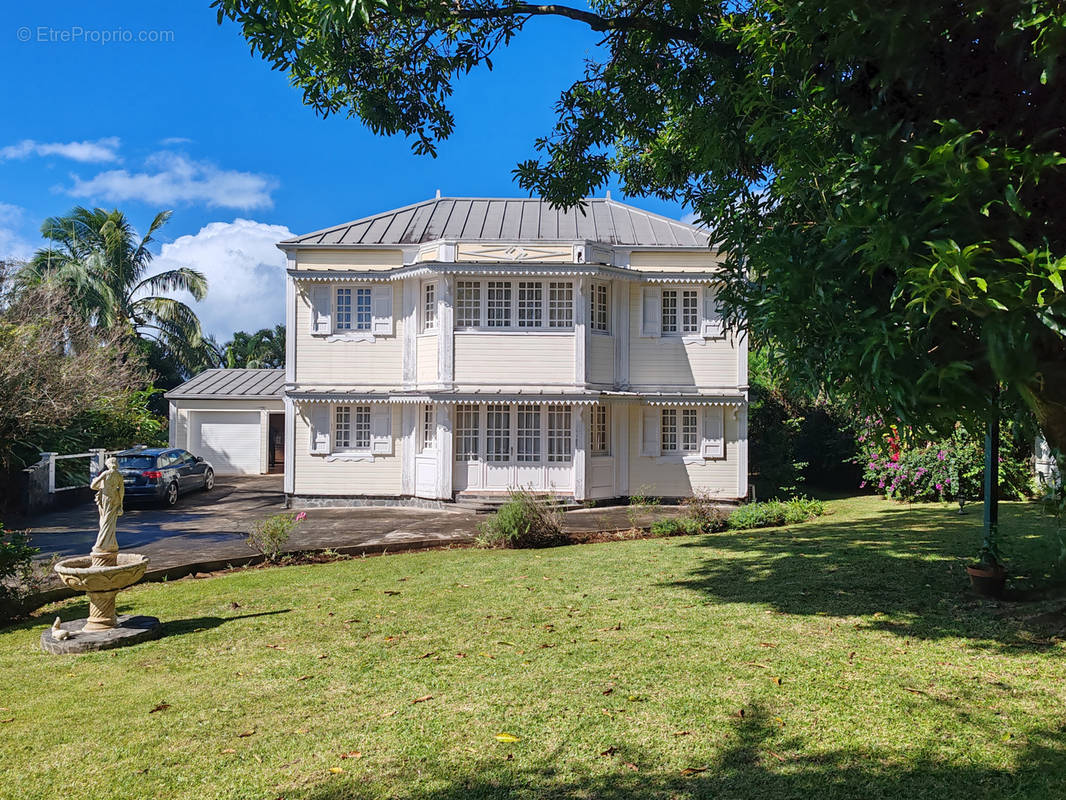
x,y
380,429
713,324
713,445
650,445
381,309
320,433
320,308
651,304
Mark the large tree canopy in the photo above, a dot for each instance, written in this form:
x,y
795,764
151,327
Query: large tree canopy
x,y
887,180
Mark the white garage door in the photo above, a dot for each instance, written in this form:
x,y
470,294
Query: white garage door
x,y
230,440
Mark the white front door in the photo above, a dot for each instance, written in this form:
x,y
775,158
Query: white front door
x,y
517,447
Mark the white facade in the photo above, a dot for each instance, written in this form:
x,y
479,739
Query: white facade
x,y
449,361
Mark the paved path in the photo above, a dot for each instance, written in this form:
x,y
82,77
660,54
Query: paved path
x,y
206,530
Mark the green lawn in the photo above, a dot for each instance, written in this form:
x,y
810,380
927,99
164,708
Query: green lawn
x,y
843,658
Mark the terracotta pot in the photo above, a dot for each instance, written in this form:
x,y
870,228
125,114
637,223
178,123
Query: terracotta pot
x,y
987,580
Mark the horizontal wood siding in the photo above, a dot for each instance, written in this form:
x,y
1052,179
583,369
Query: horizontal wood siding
x,y
600,363
666,477
668,361
316,476
514,358
426,359
376,363
653,261
358,260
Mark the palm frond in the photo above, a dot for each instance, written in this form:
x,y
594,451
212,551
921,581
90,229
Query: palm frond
x,y
181,279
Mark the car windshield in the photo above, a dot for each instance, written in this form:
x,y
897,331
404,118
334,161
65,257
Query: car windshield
x,y
136,462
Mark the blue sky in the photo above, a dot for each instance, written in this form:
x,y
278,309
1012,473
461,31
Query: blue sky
x,y
193,122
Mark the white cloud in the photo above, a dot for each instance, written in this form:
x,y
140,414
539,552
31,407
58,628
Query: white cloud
x,y
101,150
245,274
12,244
691,218
170,141
177,179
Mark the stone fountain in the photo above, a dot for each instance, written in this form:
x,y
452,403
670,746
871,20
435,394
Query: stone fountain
x,y
102,575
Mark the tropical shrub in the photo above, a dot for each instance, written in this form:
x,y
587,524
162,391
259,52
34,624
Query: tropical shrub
x,y
903,466
526,520
18,578
269,536
676,526
705,513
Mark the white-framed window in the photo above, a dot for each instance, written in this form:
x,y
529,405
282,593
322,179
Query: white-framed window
x,y
428,438
429,307
559,432
351,428
342,308
467,432
599,431
561,304
679,430
498,302
528,433
497,432
530,304
363,313
468,304
601,298
681,311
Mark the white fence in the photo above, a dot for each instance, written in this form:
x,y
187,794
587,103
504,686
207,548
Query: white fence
x,y
96,457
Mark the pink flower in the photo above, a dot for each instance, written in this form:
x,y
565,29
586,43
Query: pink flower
x,y
940,487
940,456
862,485
301,516
881,485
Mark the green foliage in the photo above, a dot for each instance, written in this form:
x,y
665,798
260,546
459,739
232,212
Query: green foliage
x,y
18,578
525,520
269,535
676,526
903,465
640,501
264,349
705,513
886,179
775,512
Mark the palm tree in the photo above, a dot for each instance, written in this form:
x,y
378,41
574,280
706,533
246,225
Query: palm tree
x,y
264,349
96,257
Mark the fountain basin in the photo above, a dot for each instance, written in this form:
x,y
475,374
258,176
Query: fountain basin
x,y
79,573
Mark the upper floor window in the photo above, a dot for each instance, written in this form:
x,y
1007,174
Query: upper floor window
x,y
352,309
351,428
680,311
429,307
601,296
514,304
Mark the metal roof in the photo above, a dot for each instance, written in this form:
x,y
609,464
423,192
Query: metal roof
x,y
250,383
491,219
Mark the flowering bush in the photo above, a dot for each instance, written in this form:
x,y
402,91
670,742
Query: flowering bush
x,y
901,466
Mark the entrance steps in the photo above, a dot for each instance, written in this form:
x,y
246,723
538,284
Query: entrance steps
x,y
485,502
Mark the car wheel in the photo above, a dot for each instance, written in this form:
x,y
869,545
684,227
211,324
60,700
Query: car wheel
x,y
209,480
171,497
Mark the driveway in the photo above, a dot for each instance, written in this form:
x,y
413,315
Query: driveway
x,y
208,528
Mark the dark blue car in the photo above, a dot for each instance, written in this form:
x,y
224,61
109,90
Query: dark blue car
x,y
163,473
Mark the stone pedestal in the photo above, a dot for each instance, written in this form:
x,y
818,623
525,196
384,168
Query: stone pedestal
x,y
128,630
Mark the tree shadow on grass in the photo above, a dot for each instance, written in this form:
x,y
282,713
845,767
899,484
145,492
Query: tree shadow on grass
x,y
760,762
179,627
903,569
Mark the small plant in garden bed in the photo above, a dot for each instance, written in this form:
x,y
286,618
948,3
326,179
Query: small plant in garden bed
x,y
775,512
525,520
20,576
269,536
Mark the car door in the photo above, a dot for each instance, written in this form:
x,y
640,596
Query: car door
x,y
186,466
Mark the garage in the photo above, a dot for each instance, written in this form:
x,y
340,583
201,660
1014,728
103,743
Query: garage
x,y
234,418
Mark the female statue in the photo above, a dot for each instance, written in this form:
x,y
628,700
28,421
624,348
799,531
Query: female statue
x,y
110,492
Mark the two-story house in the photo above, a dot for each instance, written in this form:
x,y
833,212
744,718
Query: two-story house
x,y
477,345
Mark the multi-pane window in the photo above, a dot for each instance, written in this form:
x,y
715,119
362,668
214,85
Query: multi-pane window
x,y
600,300
467,430
679,429
681,313
362,309
429,307
599,437
468,304
342,312
351,428
560,304
530,304
498,304
497,433
429,428
559,443
529,433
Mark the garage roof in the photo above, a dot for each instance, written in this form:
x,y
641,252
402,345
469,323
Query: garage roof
x,y
495,219
233,383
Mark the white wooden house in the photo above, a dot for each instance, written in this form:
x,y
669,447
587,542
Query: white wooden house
x,y
470,346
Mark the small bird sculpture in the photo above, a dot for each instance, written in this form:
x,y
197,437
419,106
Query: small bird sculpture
x,y
58,633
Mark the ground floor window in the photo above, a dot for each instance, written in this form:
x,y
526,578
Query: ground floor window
x,y
679,430
467,432
599,432
429,428
505,433
559,439
351,428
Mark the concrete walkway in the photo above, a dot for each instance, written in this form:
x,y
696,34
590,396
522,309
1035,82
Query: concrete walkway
x,y
207,530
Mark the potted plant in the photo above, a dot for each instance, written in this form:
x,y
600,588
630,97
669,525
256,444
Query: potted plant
x,y
988,576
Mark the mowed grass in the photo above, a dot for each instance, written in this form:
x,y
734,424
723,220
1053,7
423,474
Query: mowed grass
x,y
843,658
